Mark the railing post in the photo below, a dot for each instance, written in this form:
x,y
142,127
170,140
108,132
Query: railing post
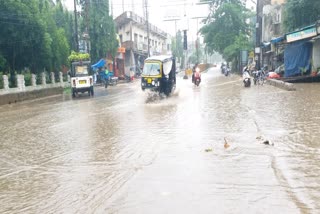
x,y
52,78
33,80
20,82
61,77
43,79
5,82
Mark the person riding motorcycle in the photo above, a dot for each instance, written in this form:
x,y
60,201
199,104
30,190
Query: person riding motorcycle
x,y
197,75
194,71
104,76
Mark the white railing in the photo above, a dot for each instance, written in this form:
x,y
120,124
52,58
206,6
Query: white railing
x,y
21,84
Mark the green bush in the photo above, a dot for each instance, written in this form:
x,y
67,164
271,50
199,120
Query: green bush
x,y
13,81
57,76
27,78
1,81
38,79
48,78
65,77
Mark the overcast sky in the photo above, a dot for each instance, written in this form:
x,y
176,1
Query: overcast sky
x,y
161,10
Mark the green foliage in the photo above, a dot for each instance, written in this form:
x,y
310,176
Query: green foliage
x,y
177,46
101,30
300,13
196,56
241,43
75,56
1,80
27,78
34,34
226,27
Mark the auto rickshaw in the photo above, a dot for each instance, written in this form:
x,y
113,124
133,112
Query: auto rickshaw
x,y
159,74
81,78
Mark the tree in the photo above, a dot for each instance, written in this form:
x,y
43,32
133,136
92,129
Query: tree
x,y
225,26
177,46
300,13
101,29
31,36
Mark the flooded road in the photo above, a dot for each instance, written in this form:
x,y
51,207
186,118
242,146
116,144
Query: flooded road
x,y
117,153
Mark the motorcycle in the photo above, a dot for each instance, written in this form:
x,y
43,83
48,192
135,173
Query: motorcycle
x,y
246,79
196,77
227,71
197,81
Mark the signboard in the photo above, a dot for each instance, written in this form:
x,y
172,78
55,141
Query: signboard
x,y
257,50
251,55
311,32
121,50
244,57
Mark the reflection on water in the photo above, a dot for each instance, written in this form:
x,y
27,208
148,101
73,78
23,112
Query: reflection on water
x,y
122,152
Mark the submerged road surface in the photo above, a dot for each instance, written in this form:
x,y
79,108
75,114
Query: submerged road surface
x,y
122,152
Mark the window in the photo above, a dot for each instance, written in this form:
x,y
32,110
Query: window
x,y
151,68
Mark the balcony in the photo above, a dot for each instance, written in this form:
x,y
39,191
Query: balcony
x,y
135,46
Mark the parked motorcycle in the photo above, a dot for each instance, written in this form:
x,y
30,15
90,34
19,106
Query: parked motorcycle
x,y
246,79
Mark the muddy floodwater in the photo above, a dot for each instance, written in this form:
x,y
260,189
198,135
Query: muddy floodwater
x,y
121,152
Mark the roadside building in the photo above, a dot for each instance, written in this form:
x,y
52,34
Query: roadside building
x,y
133,36
272,45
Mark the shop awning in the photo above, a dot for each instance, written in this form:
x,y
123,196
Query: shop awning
x,y
99,64
277,40
265,44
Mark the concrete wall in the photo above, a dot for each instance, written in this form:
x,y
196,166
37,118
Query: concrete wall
x,y
28,95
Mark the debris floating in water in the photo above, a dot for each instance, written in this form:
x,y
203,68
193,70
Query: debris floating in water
x,y
208,150
226,144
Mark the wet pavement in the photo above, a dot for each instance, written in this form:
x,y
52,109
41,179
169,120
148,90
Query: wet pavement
x,y
121,152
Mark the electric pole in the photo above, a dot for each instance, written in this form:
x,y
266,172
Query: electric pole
x,y
147,21
76,25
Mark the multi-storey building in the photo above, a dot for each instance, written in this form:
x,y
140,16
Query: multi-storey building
x,y
133,34
272,33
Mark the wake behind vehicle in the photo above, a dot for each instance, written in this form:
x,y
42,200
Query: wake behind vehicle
x,y
159,74
81,78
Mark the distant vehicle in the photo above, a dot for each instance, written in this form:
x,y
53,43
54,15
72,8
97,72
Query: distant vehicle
x,y
159,74
81,78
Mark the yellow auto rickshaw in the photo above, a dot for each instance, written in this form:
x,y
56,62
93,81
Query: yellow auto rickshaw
x,y
159,74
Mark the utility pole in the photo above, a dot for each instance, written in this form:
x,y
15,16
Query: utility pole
x,y
76,25
258,35
122,6
87,17
148,33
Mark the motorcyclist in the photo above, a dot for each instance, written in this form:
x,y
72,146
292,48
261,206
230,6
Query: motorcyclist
x,y
194,71
197,74
104,76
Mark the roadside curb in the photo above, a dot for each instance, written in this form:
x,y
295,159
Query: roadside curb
x,y
29,95
280,84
